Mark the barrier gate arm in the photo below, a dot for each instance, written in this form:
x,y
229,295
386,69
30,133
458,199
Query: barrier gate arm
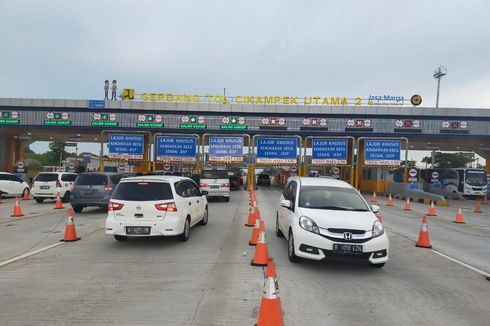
x,y
350,139
254,142
359,166
198,154
119,131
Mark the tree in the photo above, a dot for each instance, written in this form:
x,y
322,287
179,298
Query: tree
x,y
450,160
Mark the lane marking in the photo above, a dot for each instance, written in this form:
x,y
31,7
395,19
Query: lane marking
x,y
468,266
13,260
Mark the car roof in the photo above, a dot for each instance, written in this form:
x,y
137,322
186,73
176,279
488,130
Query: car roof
x,y
164,178
5,173
307,181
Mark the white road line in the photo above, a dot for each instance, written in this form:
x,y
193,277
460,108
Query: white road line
x,y
12,260
473,268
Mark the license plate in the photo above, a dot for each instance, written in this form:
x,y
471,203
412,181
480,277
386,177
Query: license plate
x,y
138,230
214,186
347,249
44,187
89,192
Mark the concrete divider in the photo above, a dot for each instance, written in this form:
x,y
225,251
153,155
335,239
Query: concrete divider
x,y
418,195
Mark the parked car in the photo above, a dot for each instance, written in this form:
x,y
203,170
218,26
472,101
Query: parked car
x,y
47,185
323,217
216,182
93,189
156,206
12,185
263,179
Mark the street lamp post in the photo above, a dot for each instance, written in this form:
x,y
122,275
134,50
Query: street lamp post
x,y
438,74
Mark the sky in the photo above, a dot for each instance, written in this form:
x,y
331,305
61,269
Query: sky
x,y
66,49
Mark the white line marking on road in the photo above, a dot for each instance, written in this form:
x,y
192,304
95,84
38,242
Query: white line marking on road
x,y
12,260
473,268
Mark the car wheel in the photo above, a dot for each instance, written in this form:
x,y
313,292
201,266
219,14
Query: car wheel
x,y
25,191
227,198
377,265
204,220
278,230
187,230
66,197
39,200
291,254
77,209
120,237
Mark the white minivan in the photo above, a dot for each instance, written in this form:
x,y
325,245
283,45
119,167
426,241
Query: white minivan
x,y
47,185
149,206
12,185
216,182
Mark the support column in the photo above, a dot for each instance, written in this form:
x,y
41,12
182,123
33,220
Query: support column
x,y
4,150
11,156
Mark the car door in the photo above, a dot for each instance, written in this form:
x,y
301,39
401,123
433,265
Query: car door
x,y
200,199
8,185
17,185
183,190
283,210
291,196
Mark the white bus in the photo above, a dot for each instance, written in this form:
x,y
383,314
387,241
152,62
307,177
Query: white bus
x,y
456,181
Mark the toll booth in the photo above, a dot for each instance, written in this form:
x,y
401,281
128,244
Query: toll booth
x,y
379,163
330,156
126,149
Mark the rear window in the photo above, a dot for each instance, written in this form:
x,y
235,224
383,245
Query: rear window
x,y
143,191
46,177
68,177
214,174
91,180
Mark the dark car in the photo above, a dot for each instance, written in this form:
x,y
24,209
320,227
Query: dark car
x,y
263,180
234,182
93,189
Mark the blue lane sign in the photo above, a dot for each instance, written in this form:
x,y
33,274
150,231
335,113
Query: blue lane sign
x,y
277,150
328,151
126,146
226,149
382,152
176,149
96,104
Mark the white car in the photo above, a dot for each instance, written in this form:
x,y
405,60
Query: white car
x,y
46,185
323,218
216,182
156,206
12,185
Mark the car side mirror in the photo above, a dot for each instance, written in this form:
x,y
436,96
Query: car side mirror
x,y
286,203
204,192
375,208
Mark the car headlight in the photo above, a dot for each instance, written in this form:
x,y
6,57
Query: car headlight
x,y
308,224
378,229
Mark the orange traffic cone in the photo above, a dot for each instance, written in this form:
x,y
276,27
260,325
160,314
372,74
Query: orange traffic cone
x,y
59,204
70,232
270,271
408,207
17,209
252,216
424,241
378,216
390,201
270,313
261,257
26,195
255,233
459,216
432,209
373,198
477,207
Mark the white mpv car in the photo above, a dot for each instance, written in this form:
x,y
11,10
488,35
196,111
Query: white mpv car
x,y
156,206
12,185
47,185
323,218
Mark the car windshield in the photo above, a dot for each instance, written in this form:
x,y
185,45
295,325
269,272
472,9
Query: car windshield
x,y
476,177
143,191
47,177
214,174
331,198
91,179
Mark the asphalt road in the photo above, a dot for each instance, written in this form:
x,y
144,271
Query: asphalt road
x,y
209,281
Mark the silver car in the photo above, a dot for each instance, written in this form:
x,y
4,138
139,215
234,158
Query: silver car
x,y
93,189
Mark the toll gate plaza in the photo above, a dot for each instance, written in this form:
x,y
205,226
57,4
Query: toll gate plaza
x,y
441,278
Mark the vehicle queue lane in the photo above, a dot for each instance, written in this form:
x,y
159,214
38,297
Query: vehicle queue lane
x,y
207,280
416,287
469,242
